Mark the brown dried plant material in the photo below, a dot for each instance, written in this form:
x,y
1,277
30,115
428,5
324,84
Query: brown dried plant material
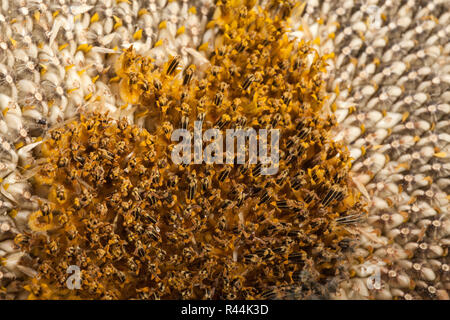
x,y
140,226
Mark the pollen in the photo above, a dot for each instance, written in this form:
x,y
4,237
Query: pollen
x,y
140,226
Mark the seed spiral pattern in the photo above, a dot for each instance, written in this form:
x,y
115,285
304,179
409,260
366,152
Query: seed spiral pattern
x,y
381,74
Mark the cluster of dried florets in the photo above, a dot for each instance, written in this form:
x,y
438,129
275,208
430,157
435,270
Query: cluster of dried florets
x,y
392,74
140,226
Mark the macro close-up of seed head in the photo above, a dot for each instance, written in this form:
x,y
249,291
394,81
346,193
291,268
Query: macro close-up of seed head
x,y
99,199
